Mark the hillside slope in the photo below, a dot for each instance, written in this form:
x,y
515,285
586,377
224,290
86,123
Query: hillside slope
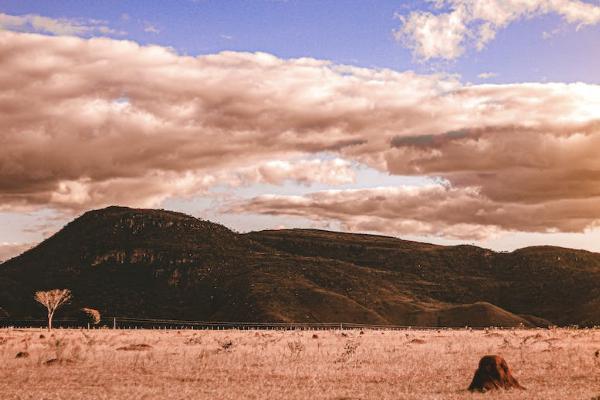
x,y
557,284
156,263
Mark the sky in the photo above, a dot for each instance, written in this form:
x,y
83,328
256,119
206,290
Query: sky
x,y
446,121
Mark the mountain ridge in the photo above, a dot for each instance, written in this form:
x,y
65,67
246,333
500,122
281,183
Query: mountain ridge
x,y
160,263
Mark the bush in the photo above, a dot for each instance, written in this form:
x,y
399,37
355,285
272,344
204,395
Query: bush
x,y
92,315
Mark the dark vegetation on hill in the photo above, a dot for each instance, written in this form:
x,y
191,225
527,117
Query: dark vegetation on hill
x,y
155,263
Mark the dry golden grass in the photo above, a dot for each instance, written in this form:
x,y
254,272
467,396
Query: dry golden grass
x,y
146,364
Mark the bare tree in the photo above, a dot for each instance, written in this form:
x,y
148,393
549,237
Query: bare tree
x,y
52,300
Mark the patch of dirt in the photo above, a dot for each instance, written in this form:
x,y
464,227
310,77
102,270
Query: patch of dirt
x,y
226,344
194,340
56,361
552,349
22,354
135,347
536,337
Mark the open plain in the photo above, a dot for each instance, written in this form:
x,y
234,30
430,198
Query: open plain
x,y
350,364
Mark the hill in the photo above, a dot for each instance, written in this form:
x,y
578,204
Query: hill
x,y
156,263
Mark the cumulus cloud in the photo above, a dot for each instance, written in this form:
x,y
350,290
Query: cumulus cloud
x,y
55,26
101,121
474,23
306,172
98,121
434,210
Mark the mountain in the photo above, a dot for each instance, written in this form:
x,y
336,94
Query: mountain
x,y
162,264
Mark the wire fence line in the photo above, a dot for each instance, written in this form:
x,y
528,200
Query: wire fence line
x,y
151,323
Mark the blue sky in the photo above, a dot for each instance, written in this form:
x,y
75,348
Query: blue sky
x,y
357,32
542,127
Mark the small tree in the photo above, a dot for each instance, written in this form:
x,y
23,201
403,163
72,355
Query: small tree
x,y
92,314
52,300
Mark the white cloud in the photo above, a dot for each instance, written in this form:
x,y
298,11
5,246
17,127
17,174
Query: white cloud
x,y
487,75
55,26
432,36
447,35
150,28
306,172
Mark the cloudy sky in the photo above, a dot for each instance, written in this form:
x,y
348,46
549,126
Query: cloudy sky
x,y
448,121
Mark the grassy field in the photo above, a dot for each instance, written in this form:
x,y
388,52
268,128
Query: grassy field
x,y
147,364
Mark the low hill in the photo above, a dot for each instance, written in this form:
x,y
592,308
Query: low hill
x,y
480,314
156,263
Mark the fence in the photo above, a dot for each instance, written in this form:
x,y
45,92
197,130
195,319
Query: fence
x,y
141,323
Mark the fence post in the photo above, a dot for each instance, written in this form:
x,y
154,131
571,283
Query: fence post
x,y
114,322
